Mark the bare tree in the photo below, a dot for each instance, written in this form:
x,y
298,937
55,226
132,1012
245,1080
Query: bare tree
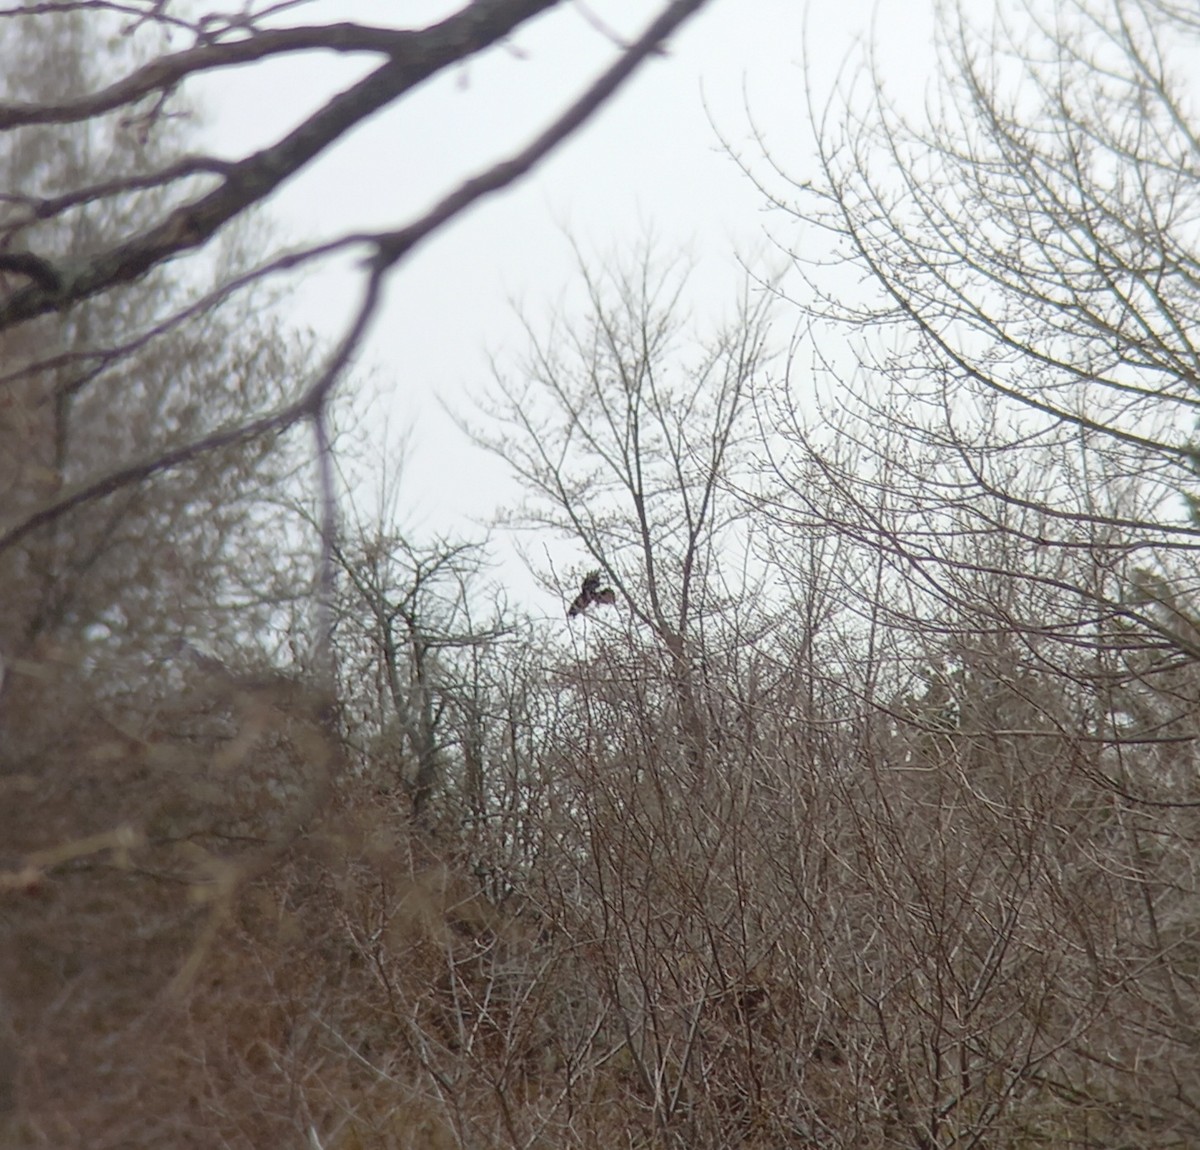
x,y
410,636
194,196
626,440
149,789
1034,260
1013,454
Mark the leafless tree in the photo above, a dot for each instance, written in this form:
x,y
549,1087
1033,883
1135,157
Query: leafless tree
x,y
184,200
864,817
1008,440
147,396
626,440
1030,333
412,631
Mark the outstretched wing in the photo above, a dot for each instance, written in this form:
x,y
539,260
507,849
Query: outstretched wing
x,y
582,602
591,593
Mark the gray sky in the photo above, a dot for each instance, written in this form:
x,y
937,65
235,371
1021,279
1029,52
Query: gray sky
x,y
651,161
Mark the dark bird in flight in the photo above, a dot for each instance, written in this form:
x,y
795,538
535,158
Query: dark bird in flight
x,y
591,593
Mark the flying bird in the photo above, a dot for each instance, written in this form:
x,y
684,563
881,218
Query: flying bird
x,y
591,593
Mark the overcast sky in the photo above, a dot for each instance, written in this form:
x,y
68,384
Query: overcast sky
x,y
652,160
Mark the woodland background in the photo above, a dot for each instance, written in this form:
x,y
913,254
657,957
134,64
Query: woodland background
x,y
867,817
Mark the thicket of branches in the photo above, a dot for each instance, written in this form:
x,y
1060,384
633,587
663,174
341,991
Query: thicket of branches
x,y
864,817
